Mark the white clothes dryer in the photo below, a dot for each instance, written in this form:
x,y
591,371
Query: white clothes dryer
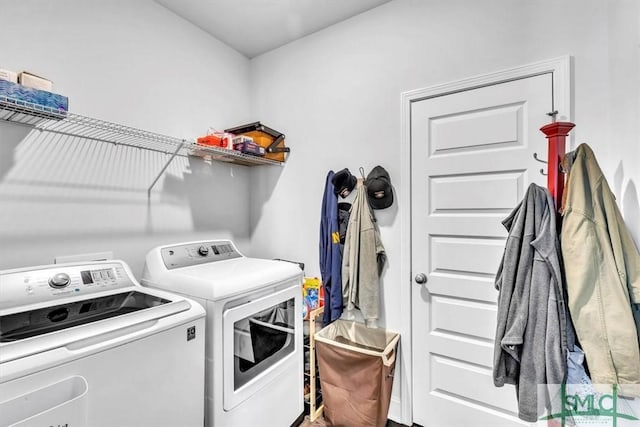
x,y
83,344
254,362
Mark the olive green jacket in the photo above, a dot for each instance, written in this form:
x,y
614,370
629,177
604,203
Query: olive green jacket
x,y
363,259
602,267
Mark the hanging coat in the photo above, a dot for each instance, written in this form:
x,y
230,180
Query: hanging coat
x,y
363,260
531,343
602,267
330,256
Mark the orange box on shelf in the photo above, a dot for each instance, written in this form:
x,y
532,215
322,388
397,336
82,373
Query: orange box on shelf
x,y
270,139
222,140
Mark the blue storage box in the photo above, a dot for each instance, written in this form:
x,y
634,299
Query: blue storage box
x,y
247,146
22,99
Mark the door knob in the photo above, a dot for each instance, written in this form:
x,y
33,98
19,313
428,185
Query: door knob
x,y
421,278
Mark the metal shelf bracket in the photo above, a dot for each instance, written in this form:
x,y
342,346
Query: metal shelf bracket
x,y
173,156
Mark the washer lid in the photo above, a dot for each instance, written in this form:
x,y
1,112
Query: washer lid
x,y
80,305
44,320
221,279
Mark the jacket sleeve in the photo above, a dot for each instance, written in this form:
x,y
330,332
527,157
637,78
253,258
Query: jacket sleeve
x,y
324,246
349,258
506,367
506,358
372,257
625,252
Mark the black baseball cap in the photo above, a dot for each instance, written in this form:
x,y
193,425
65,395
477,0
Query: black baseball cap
x,y
379,191
343,182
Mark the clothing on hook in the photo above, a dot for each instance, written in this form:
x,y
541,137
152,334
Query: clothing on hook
x,y
330,253
343,182
379,190
602,270
565,168
530,348
567,162
363,260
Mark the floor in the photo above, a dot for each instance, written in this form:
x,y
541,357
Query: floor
x,y
317,423
321,423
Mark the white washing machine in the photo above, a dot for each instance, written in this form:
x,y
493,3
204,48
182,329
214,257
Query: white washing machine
x,y
84,345
254,356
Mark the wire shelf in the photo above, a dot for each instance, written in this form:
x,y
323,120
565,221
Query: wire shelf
x,y
48,119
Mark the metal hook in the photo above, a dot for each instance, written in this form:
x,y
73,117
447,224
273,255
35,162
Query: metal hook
x,y
535,156
362,172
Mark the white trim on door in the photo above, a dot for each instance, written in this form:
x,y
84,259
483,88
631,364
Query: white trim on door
x,y
561,69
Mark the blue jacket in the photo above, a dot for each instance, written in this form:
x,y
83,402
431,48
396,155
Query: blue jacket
x,y
330,256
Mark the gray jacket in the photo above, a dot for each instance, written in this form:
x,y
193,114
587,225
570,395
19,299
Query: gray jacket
x,y
363,259
530,346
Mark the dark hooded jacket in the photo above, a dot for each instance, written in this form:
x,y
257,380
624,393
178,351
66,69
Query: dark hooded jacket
x,y
330,254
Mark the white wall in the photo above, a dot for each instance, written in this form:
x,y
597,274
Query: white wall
x,y
336,95
135,63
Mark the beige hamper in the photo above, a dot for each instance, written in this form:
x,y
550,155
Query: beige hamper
x,y
356,367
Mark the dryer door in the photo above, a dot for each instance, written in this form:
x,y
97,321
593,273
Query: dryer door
x,y
265,337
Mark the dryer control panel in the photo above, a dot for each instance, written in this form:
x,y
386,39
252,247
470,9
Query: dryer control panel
x,y
196,253
40,284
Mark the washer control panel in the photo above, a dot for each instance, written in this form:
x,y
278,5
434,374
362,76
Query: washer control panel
x,y
196,253
59,280
21,287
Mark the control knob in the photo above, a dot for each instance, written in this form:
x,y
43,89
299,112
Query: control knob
x,y
203,250
59,280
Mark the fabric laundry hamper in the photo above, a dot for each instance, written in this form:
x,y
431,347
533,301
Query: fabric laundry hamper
x,y
356,366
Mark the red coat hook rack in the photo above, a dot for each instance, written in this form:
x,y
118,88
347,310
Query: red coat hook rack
x,y
556,134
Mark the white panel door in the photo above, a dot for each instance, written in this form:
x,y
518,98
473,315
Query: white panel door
x,y
471,162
